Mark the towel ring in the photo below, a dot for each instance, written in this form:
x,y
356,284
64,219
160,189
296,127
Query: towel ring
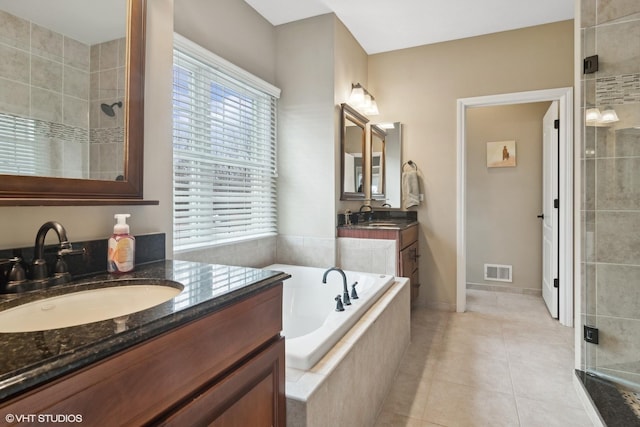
x,y
410,163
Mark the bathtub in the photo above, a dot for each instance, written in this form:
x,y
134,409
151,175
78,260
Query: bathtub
x,y
311,325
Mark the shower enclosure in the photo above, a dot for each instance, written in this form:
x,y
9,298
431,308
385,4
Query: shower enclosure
x,y
610,169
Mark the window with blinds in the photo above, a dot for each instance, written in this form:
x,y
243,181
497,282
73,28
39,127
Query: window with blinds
x,y
224,151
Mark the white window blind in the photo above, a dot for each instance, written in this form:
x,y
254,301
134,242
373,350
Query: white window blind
x,y
24,143
224,151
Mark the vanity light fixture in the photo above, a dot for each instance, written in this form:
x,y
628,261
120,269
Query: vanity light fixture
x,y
609,115
593,116
362,100
356,99
386,125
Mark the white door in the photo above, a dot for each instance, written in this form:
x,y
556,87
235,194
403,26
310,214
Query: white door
x,y
549,212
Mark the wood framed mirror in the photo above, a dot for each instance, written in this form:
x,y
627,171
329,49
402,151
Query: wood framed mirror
x,y
377,136
49,133
353,149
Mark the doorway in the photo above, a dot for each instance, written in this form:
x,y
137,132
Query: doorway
x,y
564,98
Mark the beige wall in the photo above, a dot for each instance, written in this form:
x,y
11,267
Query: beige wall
x,y
503,203
317,60
351,66
420,86
232,30
305,132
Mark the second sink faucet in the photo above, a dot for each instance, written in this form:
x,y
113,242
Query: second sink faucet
x,y
345,294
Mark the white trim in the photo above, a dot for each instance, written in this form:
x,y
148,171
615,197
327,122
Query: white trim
x,y
565,98
201,53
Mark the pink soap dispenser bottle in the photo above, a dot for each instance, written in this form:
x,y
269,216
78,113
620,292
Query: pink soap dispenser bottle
x,y
121,248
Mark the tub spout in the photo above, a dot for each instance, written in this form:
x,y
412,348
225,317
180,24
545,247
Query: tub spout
x,y
345,292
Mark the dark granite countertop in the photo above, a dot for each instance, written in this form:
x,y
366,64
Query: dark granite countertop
x,y
392,224
379,220
32,358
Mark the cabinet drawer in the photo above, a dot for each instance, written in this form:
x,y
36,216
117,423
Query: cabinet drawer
x,y
408,236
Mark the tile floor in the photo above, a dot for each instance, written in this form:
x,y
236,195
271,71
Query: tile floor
x,y
504,362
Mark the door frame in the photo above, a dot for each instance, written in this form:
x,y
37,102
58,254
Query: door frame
x,y
564,96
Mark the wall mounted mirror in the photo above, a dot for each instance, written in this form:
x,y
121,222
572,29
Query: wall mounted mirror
x,y
353,143
377,137
393,165
71,101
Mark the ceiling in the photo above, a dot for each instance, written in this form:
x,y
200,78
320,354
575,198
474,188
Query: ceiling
x,y
384,25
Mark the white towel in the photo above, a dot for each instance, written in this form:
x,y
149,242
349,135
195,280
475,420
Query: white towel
x,y
410,188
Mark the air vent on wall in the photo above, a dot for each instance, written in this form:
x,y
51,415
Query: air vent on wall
x,y
497,272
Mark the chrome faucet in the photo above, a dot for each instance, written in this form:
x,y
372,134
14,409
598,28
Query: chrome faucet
x,y
39,265
345,294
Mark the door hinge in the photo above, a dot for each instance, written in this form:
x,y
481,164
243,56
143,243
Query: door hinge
x,y
556,283
556,203
590,64
556,124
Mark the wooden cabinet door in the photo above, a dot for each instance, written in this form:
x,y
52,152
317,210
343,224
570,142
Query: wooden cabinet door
x,y
252,395
409,260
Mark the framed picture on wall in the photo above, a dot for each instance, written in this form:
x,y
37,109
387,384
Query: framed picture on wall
x,y
501,154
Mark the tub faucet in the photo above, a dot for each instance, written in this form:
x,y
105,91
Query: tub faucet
x,y
345,293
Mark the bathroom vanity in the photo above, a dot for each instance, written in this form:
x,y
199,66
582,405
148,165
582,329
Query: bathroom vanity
x,y
402,229
211,355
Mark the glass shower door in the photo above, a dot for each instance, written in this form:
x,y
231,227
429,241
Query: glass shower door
x,y
610,169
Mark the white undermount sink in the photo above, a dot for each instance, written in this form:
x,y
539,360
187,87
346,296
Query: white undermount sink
x,y
87,306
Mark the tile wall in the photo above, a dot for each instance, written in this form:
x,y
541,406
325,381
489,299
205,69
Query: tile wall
x,y
611,189
44,96
51,91
107,86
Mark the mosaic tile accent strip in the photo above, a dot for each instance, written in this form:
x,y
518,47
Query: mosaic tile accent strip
x,y
617,90
29,129
107,135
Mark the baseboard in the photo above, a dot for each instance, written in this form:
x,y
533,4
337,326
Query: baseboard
x,y
504,288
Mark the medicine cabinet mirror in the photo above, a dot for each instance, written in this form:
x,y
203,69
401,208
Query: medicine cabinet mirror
x,y
71,101
353,160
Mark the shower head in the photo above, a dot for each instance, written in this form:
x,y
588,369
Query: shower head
x,y
108,109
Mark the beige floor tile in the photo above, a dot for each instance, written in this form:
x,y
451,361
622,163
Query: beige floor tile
x,y
475,370
451,404
464,341
534,413
504,362
544,384
408,396
390,419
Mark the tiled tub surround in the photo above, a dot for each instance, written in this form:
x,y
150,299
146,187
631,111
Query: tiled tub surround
x,y
610,175
251,253
30,359
49,85
350,383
